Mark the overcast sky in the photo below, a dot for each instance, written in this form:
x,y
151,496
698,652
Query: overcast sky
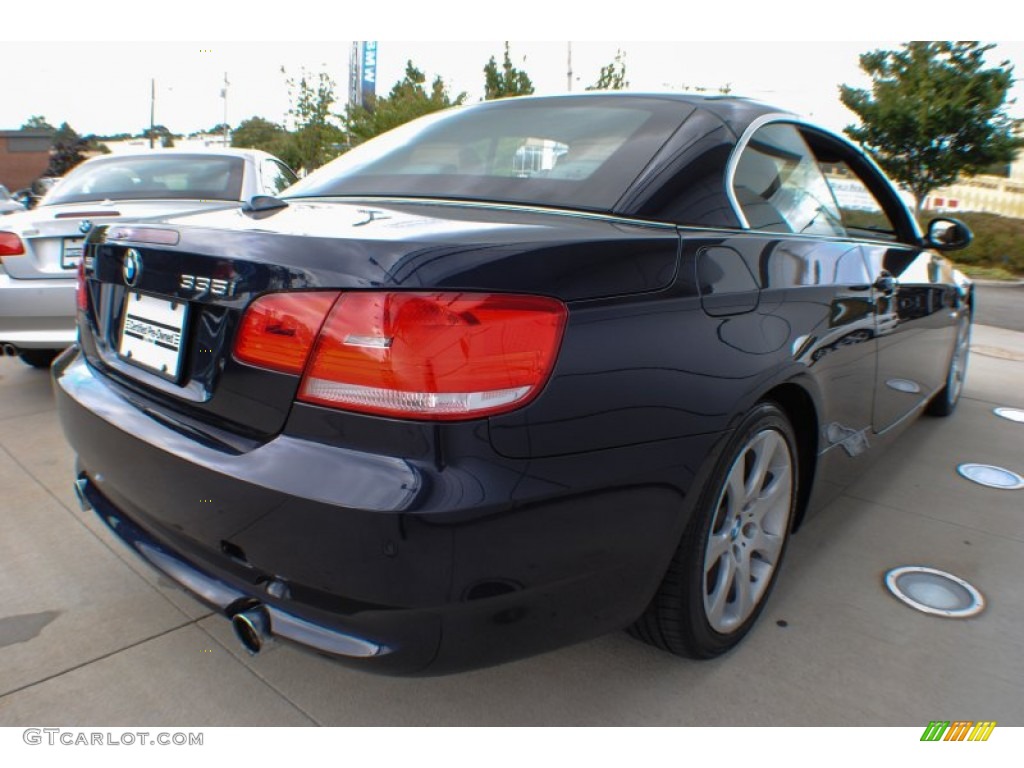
x,y
104,87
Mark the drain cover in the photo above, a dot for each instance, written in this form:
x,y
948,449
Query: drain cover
x,y
935,592
992,477
1013,414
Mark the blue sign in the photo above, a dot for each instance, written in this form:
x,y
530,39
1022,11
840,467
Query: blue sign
x,y
368,68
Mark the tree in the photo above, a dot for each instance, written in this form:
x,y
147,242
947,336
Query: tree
x,y
66,152
260,133
613,75
934,112
407,100
37,123
508,82
257,133
317,138
158,131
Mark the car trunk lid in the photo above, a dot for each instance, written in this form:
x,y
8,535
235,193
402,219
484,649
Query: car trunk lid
x,y
196,289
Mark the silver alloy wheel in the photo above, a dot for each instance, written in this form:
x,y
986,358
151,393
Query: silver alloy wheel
x,y
747,534
958,367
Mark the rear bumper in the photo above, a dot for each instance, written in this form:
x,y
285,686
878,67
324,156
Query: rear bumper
x,y
37,314
397,565
216,593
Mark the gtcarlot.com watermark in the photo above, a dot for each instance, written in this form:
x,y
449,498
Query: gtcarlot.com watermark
x,y
74,738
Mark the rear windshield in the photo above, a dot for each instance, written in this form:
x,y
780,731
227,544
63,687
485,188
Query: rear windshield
x,y
152,177
575,153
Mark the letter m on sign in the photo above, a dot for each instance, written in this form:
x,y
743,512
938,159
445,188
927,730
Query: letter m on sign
x,y
935,730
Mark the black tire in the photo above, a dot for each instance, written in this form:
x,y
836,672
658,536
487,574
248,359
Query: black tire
x,y
945,400
38,358
679,618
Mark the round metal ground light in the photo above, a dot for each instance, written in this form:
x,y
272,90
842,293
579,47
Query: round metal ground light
x,y
992,477
935,592
1013,414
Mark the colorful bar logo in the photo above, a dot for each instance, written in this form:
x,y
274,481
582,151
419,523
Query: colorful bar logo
x,y
958,730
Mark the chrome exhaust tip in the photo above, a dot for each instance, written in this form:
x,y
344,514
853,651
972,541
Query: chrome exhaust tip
x,y
10,350
252,628
83,502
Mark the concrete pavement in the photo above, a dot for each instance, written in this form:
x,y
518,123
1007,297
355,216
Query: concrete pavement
x,y
91,636
1000,304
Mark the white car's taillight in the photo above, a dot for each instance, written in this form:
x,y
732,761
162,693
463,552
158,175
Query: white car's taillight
x,y
10,245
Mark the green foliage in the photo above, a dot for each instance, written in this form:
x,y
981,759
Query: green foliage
x,y
257,133
317,138
37,123
613,75
407,100
934,111
986,273
66,152
158,131
286,149
510,81
260,133
998,242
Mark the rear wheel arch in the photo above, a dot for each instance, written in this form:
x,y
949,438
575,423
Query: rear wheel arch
x,y
799,406
701,609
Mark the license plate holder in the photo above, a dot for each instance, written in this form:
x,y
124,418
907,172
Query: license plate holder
x,y
152,334
71,249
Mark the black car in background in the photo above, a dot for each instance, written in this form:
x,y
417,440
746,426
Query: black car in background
x,y
511,376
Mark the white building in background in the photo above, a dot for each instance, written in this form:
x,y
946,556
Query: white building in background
x,y
983,194
198,141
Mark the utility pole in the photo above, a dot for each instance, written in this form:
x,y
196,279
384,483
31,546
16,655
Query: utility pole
x,y
224,95
569,73
152,109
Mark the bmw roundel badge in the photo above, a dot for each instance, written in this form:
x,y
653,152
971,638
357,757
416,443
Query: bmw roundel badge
x,y
131,267
85,226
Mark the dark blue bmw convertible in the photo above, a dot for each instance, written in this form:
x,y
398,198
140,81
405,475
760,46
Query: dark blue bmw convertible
x,y
511,376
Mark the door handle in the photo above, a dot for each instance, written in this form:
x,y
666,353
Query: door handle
x,y
886,284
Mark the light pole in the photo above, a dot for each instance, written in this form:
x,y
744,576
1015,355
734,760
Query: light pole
x,y
569,73
224,94
152,109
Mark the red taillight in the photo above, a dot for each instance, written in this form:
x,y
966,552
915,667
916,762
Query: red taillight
x,y
81,289
442,356
279,329
439,356
10,245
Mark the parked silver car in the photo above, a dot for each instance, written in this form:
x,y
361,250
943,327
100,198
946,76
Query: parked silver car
x,y
40,249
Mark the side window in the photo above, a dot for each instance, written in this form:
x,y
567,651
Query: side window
x,y
276,176
779,185
862,214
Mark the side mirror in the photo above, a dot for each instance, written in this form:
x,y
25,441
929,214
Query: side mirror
x,y
947,235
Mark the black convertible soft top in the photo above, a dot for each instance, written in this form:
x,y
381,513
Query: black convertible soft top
x,y
581,151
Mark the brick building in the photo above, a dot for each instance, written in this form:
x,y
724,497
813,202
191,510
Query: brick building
x,y
24,156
